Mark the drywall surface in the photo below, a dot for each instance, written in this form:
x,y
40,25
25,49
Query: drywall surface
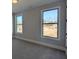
x,y
26,50
32,24
13,24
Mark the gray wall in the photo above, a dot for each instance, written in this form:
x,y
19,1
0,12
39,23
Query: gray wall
x,y
26,50
13,24
32,24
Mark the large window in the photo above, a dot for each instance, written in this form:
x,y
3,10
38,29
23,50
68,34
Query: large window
x,y
19,28
50,23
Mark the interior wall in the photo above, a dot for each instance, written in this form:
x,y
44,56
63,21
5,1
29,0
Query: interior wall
x,y
13,24
32,24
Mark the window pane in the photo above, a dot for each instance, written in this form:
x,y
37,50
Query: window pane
x,y
50,16
50,23
19,19
19,24
19,28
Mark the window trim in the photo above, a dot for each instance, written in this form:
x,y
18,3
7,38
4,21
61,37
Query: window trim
x,y
58,24
18,24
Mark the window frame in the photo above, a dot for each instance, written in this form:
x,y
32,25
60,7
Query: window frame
x,y
18,24
58,21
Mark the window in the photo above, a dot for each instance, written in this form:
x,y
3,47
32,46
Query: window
x,y
50,23
19,28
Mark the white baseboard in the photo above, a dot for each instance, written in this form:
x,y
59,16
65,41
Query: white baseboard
x,y
42,43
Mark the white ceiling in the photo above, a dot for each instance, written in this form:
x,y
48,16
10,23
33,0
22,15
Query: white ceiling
x,y
26,4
